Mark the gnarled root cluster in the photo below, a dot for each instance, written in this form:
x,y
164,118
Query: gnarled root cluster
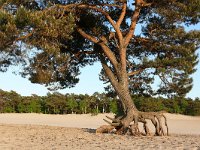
x,y
155,117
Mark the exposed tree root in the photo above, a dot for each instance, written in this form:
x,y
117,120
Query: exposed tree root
x,y
134,130
105,129
158,125
155,117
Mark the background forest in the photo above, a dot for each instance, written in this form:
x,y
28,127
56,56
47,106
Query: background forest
x,y
57,103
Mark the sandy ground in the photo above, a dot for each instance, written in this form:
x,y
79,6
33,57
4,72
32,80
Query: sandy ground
x,y
74,132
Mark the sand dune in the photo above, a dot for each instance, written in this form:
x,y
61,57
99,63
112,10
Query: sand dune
x,y
178,124
39,131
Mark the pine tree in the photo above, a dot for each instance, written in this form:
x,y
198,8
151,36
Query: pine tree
x,y
54,38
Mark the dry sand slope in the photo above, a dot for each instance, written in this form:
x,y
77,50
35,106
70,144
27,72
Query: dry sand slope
x,y
63,132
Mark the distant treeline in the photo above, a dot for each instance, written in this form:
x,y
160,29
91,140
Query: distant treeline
x,y
57,103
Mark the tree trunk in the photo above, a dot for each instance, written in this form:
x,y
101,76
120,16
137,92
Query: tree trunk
x,y
121,87
130,111
103,111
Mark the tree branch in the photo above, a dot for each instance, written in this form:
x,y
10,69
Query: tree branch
x,y
133,22
87,36
77,55
122,15
20,38
109,73
135,72
138,5
77,5
142,39
110,56
105,49
24,36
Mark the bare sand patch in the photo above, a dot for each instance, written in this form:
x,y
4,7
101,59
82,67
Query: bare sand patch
x,y
45,132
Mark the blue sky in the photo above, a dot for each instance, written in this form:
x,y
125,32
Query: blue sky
x,y
89,83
